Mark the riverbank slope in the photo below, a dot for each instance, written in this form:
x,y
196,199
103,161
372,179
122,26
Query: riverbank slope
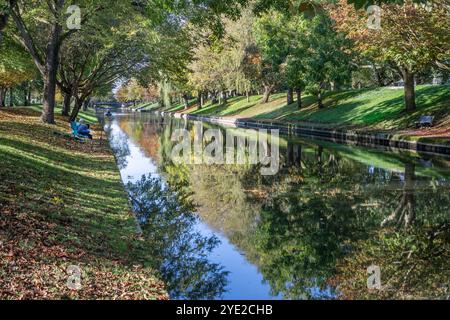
x,y
369,110
62,203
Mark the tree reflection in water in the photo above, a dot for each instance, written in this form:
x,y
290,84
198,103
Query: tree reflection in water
x,y
404,214
181,253
119,144
412,247
318,233
312,230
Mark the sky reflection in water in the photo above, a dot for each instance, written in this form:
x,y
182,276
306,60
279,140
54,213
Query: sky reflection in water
x,y
330,213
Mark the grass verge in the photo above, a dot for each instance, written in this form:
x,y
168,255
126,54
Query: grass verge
x,y
62,203
379,109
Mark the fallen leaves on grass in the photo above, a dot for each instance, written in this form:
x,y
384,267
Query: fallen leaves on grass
x,y
39,236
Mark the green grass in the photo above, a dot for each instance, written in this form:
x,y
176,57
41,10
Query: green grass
x,y
63,203
378,108
147,106
180,106
382,108
88,115
237,106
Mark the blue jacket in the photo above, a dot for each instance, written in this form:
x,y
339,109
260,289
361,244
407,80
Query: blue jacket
x,y
83,129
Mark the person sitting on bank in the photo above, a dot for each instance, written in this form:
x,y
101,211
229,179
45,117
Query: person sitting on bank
x,y
84,129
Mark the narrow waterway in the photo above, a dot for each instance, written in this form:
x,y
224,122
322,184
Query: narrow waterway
x,y
310,231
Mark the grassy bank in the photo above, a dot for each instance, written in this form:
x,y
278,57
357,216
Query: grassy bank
x,y
88,115
146,106
62,203
377,109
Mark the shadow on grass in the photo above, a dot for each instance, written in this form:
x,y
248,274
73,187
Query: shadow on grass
x,y
217,109
42,176
430,100
367,107
309,106
96,195
246,105
72,163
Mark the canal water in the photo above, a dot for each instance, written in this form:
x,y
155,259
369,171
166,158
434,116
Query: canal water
x,y
334,222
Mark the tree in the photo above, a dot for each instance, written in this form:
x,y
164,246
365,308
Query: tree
x,y
45,55
295,65
251,66
328,59
233,56
238,64
411,37
198,63
303,52
16,67
272,39
108,66
295,76
203,75
4,16
95,58
311,7
42,30
130,91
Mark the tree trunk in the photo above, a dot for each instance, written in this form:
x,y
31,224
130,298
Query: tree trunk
x,y
225,97
66,105
409,194
201,100
290,154
267,92
76,109
86,104
299,98
319,100
410,95
11,97
290,96
380,81
186,101
298,159
26,102
2,97
49,65
319,155
404,214
3,22
247,94
51,68
205,98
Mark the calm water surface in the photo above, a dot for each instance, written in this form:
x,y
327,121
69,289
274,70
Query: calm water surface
x,y
309,232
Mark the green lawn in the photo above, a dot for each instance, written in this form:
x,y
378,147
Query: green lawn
x,y
88,115
378,108
146,106
180,106
237,106
63,203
